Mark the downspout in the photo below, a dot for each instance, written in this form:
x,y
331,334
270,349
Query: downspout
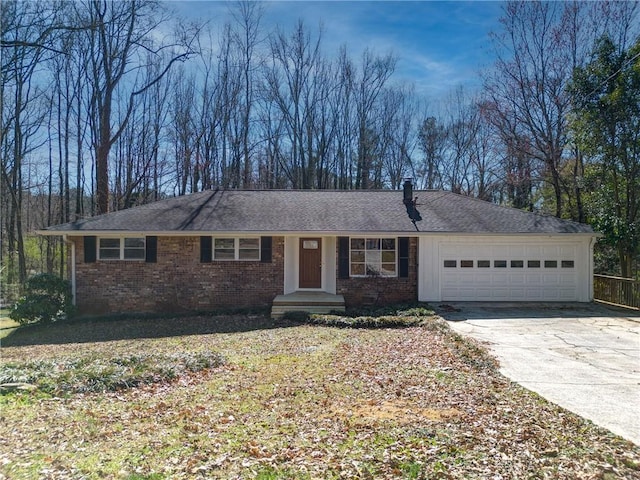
x,y
73,267
591,267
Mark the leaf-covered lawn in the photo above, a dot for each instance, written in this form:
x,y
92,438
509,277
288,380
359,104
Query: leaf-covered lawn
x,y
5,322
297,401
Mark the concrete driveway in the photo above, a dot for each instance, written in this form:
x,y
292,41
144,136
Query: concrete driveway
x,y
583,357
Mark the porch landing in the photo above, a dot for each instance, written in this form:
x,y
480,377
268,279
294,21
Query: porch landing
x,y
312,302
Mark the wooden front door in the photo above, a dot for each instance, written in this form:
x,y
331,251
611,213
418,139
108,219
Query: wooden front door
x,y
310,263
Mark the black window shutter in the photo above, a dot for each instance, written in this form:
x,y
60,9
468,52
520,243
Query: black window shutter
x,y
343,257
89,249
265,249
206,249
151,250
403,257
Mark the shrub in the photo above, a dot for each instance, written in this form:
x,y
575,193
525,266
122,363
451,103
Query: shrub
x,y
389,316
296,316
383,321
47,299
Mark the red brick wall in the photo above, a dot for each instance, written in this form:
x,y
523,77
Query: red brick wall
x,y
178,282
382,290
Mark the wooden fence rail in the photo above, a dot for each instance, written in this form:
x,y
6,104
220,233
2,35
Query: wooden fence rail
x,y
617,291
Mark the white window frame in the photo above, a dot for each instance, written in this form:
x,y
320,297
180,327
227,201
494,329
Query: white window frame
x,y
121,249
236,249
381,250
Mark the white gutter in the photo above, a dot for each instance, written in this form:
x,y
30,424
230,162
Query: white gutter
x,y
73,267
591,268
307,233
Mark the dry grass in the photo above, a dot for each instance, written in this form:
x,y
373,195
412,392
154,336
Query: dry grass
x,y
294,401
6,324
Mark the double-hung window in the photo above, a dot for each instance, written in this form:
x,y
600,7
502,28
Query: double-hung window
x,y
236,248
373,257
127,248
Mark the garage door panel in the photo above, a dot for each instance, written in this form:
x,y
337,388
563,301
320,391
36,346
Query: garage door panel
x,y
526,277
535,280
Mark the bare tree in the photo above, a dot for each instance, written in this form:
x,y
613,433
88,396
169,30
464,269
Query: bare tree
x,y
461,123
247,15
399,111
183,132
529,81
374,73
27,39
432,141
289,83
343,103
119,44
539,46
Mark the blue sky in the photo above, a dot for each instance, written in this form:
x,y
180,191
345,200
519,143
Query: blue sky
x,y
439,45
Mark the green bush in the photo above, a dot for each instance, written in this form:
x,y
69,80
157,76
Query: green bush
x,y
47,299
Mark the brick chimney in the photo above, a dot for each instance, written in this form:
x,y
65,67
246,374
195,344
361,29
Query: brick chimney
x,y
407,188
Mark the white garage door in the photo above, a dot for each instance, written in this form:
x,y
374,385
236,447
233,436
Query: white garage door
x,y
508,272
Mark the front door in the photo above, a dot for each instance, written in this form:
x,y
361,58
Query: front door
x,y
310,263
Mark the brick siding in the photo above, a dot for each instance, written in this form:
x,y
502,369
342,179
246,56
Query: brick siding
x,y
177,282
382,290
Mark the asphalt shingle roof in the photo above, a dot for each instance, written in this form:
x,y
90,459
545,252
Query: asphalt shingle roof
x,y
282,211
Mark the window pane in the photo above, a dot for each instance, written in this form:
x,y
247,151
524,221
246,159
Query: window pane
x,y
357,269
109,254
224,254
567,264
224,243
484,263
373,244
134,243
134,248
388,243
110,243
109,249
450,263
134,253
533,263
374,270
357,256
224,249
249,249
248,254
517,263
357,244
500,264
388,256
466,263
249,243
550,264
373,257
389,269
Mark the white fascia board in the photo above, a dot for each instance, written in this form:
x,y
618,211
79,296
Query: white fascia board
x,y
173,233
121,233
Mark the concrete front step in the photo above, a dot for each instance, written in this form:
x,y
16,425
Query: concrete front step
x,y
312,302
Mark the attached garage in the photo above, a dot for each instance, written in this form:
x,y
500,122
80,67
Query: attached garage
x,y
505,268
